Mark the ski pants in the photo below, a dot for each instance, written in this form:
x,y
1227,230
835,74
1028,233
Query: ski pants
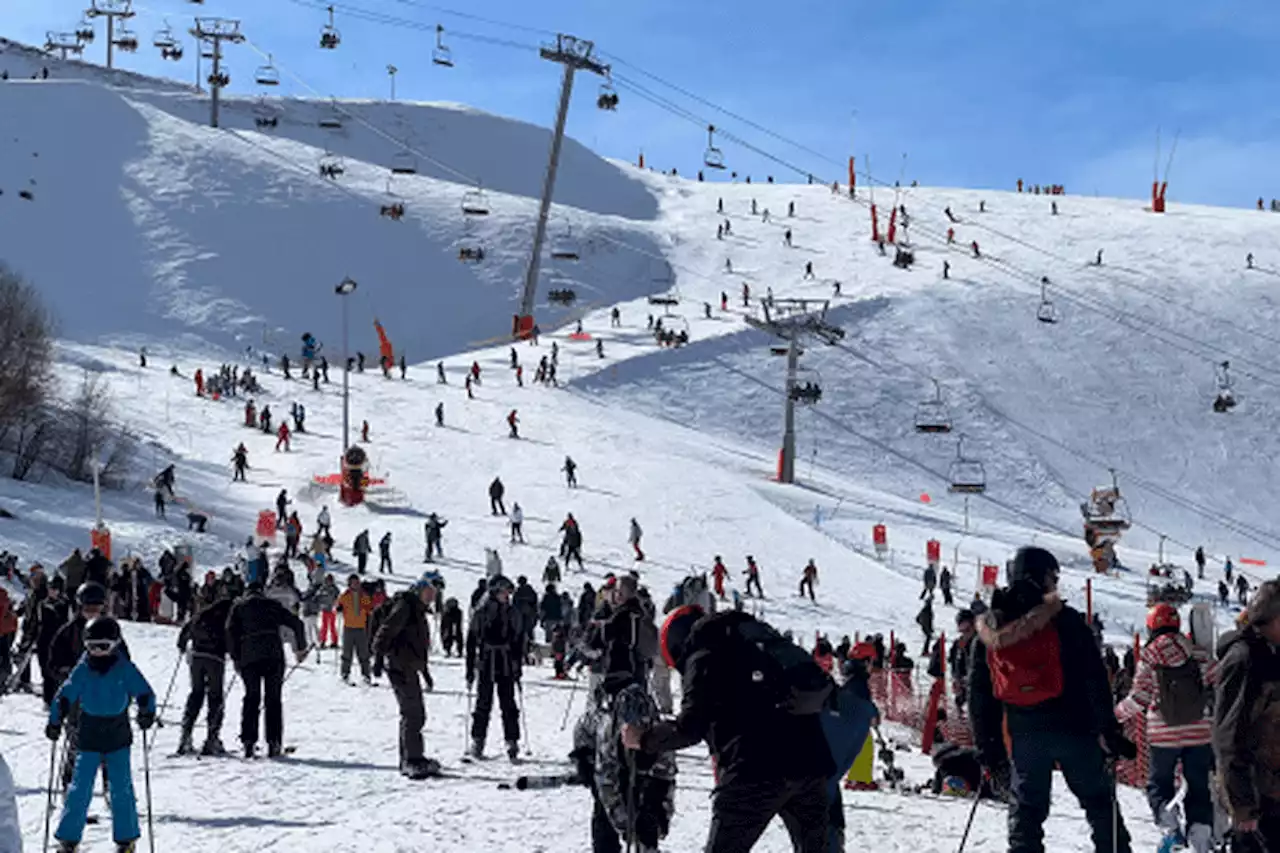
x,y
660,683
433,545
48,683
636,546
574,552
517,531
207,675
496,506
328,627
124,808
753,582
262,681
1080,758
740,812
362,562
355,640
506,686
807,583
384,563
413,713
1197,762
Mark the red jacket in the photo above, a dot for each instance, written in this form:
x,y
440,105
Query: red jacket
x,y
1166,650
8,619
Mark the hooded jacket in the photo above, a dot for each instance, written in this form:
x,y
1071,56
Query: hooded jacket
x,y
1085,705
1246,730
253,630
103,694
1166,650
403,639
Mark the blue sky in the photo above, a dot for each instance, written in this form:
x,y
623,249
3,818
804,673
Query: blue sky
x,y
976,94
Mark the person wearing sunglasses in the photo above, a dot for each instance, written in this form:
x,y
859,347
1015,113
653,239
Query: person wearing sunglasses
x,y
103,684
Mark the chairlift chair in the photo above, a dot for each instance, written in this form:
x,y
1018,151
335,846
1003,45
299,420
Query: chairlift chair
x,y
221,80
608,97
474,203
265,115
393,207
331,167
174,53
564,249
933,416
163,39
441,55
331,120
966,476
713,157
1047,312
807,389
562,296
125,40
403,163
330,38
267,75
84,30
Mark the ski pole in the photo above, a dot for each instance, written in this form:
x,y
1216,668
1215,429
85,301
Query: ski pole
x,y
977,797
297,664
465,720
631,801
146,778
48,806
568,705
168,692
524,721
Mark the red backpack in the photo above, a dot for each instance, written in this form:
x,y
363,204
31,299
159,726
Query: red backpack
x,y
1029,672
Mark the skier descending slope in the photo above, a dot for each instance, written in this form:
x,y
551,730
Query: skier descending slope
x,y
1172,686
755,697
253,641
1037,674
495,654
102,684
401,646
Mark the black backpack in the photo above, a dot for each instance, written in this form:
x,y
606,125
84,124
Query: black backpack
x,y
783,676
1182,696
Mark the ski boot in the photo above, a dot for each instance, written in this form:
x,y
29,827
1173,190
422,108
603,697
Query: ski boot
x,y
477,748
185,746
67,847
420,768
126,846
513,751
249,750
213,746
274,750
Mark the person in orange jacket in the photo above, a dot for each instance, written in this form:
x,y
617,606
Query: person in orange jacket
x,y
719,573
355,605
282,436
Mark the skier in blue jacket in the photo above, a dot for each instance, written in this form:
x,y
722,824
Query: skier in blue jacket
x,y
102,684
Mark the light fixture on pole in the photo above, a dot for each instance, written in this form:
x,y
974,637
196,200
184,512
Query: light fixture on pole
x,y
345,288
391,72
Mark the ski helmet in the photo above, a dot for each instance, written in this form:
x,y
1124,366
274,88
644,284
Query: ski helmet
x,y
102,635
498,582
91,594
675,633
1163,615
963,616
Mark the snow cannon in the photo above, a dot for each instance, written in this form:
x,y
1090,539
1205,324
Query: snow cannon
x,y
355,463
933,552
880,536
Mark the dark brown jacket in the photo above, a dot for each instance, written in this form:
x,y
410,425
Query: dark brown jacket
x,y
1246,725
403,639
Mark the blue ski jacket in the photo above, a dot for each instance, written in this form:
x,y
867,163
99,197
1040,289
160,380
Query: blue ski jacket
x,y
103,696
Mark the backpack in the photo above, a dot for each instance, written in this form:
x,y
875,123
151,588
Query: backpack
x,y
1030,672
1182,696
783,676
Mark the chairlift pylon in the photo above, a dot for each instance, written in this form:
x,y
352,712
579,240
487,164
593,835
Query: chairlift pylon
x,y
713,157
966,476
267,75
442,55
1047,312
474,203
330,38
933,416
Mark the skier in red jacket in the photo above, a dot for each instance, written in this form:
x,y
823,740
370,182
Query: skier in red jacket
x,y
719,573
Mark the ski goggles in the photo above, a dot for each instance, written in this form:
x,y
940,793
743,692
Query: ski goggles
x,y
100,647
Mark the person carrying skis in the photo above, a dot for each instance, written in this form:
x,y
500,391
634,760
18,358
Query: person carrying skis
x,y
633,538
808,578
255,647
753,578
495,657
1246,717
718,574
355,605
384,554
401,646
434,532
570,470
517,524
102,685
1172,687
362,549
207,636
1036,678
496,491
765,733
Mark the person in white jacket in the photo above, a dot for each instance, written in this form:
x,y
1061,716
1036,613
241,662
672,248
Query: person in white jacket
x,y
10,826
517,524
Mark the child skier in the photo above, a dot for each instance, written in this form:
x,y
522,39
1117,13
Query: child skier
x,y
102,684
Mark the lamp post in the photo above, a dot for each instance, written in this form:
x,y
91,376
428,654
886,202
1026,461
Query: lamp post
x,y
346,288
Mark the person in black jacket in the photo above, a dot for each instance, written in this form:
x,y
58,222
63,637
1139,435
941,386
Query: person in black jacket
x,y
451,628
64,654
256,649
401,646
206,633
478,594
1036,671
769,762
629,640
525,599
495,654
53,613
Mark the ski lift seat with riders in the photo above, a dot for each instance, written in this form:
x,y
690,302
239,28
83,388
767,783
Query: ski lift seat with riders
x,y
608,97
966,476
933,416
84,30
330,38
331,167
562,296
713,157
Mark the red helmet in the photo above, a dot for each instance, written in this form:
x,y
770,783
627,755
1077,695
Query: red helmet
x,y
675,633
1163,616
862,651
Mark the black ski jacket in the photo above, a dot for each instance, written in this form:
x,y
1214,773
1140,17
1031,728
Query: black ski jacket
x,y
403,639
253,630
207,631
495,644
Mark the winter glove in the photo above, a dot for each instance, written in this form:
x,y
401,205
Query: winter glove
x,y
53,731
1117,746
377,668
146,719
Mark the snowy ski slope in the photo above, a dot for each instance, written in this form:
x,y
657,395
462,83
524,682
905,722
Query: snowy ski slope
x,y
147,228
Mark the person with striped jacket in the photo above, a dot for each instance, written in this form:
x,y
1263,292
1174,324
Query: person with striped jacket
x,y
1172,685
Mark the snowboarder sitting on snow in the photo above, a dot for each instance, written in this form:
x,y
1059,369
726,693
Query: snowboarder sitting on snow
x,y
102,685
